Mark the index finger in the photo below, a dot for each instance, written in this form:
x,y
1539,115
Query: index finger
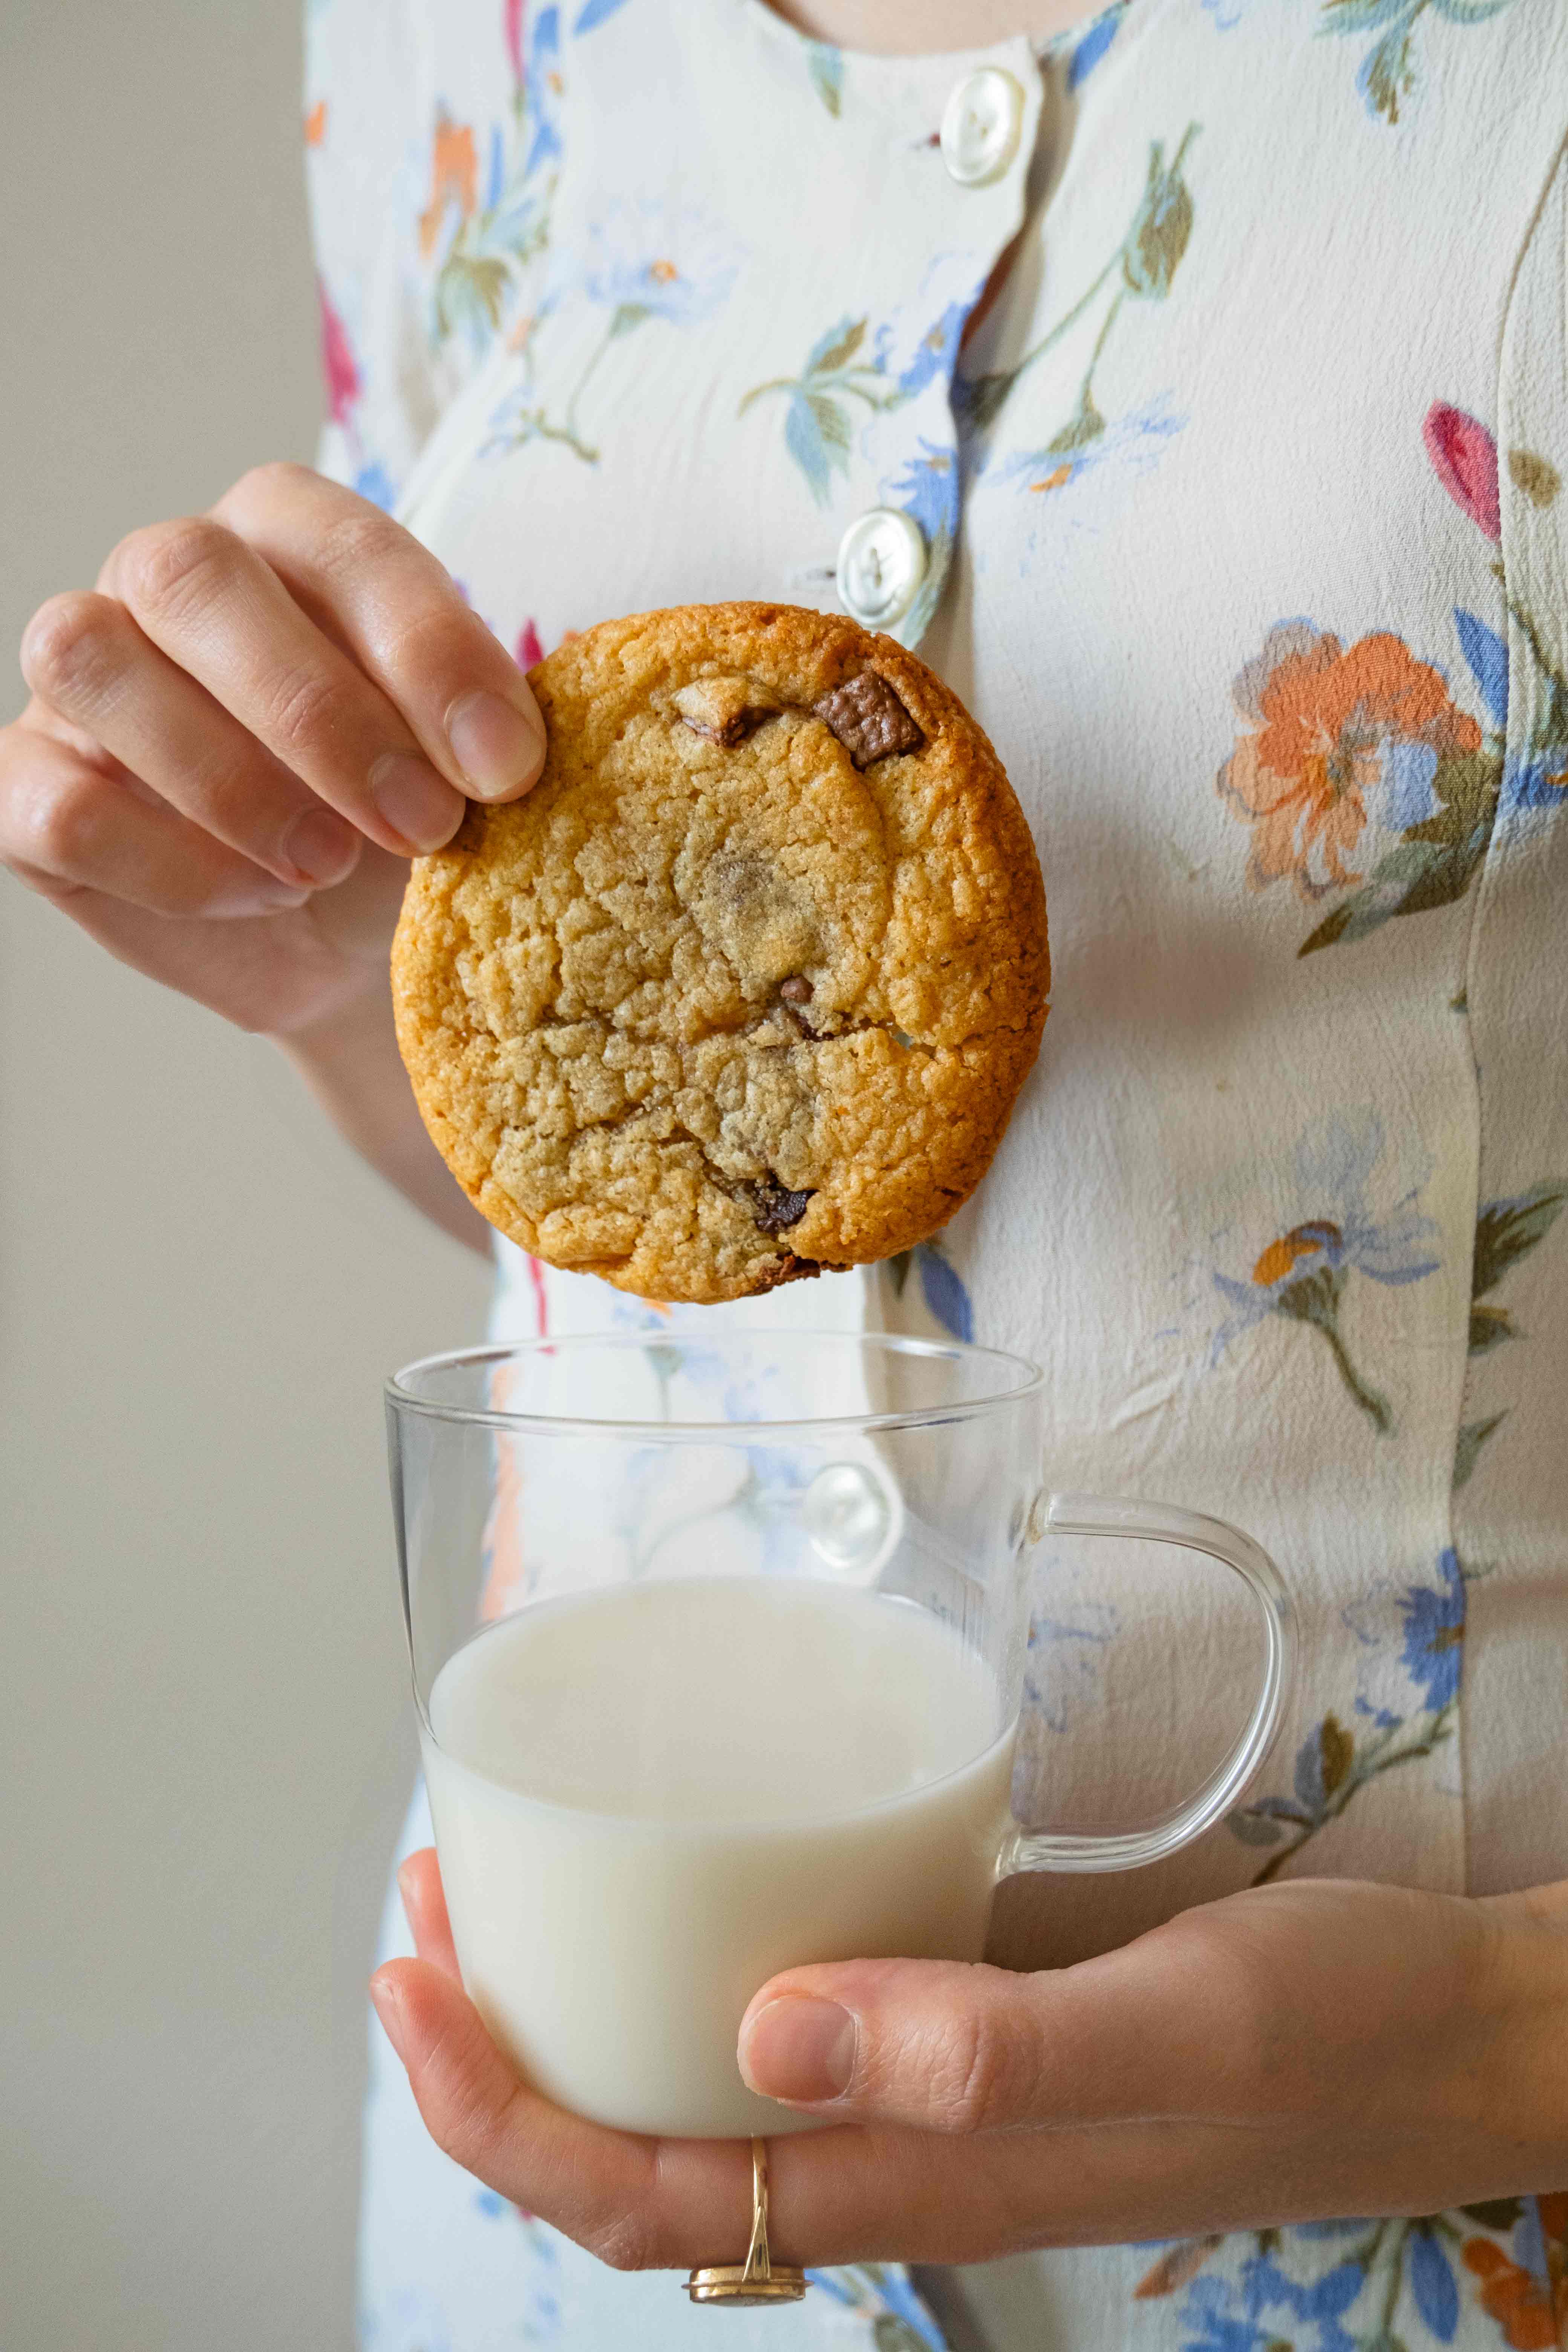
x,y
391,605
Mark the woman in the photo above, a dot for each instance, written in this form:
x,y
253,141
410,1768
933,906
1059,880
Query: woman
x,y
1190,383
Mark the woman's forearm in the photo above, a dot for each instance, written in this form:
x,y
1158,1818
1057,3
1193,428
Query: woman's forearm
x,y
350,1063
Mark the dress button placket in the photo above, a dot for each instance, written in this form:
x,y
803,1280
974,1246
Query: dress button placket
x,y
981,126
881,563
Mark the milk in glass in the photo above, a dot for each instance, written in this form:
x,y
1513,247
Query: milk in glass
x,y
649,1798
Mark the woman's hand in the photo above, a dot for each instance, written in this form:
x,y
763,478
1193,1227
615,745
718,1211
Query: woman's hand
x,y
1304,2052
235,744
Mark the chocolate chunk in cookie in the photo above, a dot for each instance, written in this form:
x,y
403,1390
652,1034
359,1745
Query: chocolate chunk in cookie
x,y
725,710
775,1209
869,719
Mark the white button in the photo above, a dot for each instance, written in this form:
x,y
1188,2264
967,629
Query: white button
x,y
981,125
881,563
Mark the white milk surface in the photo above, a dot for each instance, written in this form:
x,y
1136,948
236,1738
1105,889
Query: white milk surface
x,y
649,1798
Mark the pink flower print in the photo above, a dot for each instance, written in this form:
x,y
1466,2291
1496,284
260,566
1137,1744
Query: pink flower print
x,y
513,26
1464,457
344,386
528,649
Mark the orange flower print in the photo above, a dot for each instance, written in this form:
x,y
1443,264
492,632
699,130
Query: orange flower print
x,y
1332,735
1526,2292
1514,2297
316,123
454,179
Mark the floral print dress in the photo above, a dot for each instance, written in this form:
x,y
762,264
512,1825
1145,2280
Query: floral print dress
x,y
1232,413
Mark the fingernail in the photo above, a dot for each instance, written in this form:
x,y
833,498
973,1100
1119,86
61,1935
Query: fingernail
x,y
497,746
321,848
264,895
415,801
390,2014
800,2048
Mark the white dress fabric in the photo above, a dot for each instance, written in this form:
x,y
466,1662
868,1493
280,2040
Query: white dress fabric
x,y
1245,540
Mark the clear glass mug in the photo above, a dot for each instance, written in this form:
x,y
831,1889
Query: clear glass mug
x,y
719,1645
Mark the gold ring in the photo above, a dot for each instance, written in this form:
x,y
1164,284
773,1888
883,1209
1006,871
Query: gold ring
x,y
757,2279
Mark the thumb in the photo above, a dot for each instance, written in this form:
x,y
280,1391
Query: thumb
x,y
463,2086
937,2044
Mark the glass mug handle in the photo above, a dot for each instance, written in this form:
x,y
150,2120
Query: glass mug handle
x,y
1094,1515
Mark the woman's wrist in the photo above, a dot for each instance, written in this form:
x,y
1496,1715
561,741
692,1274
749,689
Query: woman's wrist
x,y
349,1059
1522,2084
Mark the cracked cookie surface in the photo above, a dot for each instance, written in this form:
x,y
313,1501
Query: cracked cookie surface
x,y
745,988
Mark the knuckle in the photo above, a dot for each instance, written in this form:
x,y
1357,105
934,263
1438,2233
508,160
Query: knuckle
x,y
304,714
981,2074
170,565
273,481
358,535
55,826
63,647
428,640
455,2113
624,2243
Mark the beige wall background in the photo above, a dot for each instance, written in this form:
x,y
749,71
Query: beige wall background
x,y
204,1738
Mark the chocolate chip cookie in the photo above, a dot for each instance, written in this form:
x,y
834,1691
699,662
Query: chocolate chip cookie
x,y
746,986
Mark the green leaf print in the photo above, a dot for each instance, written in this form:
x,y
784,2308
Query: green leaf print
x,y
1146,260
1507,1231
1314,1298
1389,75
826,65
1409,879
1471,1438
1489,1327
1255,1829
838,354
819,421
1536,475
1388,72
891,2334
1336,1749
1164,222
469,282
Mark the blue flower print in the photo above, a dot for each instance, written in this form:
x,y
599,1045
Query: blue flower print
x,y
1337,1760
1092,45
1433,2286
928,489
1308,2282
1071,1636
1534,784
900,2322
374,483
1434,1633
642,263
540,92
946,1300
853,375
933,355
1131,445
1301,1274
